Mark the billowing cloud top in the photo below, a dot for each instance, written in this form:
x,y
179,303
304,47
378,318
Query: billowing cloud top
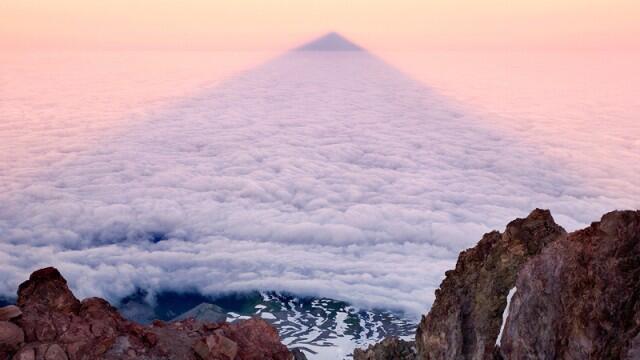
x,y
318,173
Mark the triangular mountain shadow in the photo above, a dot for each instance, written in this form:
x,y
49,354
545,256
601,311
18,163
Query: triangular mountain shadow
x,y
330,42
303,156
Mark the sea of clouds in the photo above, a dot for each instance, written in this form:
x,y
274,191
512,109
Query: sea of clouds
x,y
328,174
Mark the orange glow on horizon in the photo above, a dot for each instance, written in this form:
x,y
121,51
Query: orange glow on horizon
x,y
280,24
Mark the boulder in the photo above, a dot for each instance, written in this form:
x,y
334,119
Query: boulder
x,y
9,312
55,352
11,338
25,354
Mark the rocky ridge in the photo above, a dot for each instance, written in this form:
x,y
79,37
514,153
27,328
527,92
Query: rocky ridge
x,y
574,296
466,315
50,323
580,298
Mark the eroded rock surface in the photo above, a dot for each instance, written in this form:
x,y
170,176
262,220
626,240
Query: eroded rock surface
x,y
580,298
466,316
389,348
574,296
54,325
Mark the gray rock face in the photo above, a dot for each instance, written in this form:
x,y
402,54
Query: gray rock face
x,y
466,316
204,312
580,298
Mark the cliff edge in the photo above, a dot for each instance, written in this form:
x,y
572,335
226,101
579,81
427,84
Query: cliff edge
x,y
536,292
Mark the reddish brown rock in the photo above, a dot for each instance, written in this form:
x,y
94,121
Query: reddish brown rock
x,y
576,296
388,349
580,298
47,289
11,338
222,346
9,312
57,326
465,318
201,349
25,354
256,339
55,352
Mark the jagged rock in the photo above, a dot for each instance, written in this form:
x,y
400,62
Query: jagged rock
x,y
580,298
389,348
47,290
9,312
256,339
465,318
57,326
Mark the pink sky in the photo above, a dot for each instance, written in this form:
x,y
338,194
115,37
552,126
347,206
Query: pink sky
x,y
280,24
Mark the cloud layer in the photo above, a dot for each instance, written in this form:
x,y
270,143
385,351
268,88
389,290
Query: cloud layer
x,y
325,174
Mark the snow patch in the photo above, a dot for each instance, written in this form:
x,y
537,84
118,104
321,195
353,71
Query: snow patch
x,y
505,314
267,315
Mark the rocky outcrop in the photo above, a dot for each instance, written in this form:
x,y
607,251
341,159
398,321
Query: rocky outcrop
x,y
49,323
573,296
466,315
580,298
389,348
